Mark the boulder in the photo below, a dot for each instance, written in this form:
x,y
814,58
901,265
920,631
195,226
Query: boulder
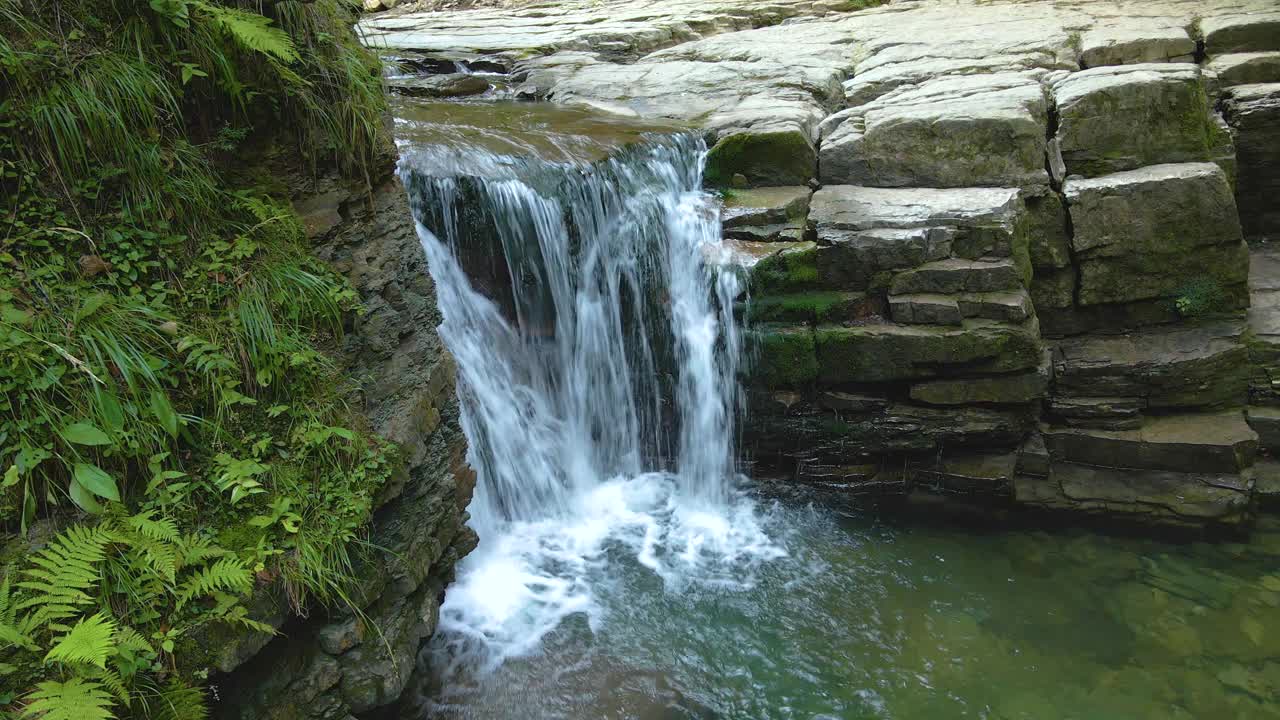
x,y
1124,117
1110,44
1179,218
440,86
1169,367
885,352
1210,443
953,131
1249,32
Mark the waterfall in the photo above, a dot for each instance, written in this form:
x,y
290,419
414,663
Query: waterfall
x,y
597,364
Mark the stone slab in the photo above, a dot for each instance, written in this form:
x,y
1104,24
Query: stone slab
x,y
1220,443
884,352
1245,68
1244,32
951,131
1168,367
1117,118
1110,44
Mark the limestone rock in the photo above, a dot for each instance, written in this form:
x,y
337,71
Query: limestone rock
x,y
1009,306
440,86
968,473
1180,218
924,309
1000,389
1049,244
820,306
1249,32
1157,497
1266,422
954,131
955,275
1125,117
883,352
785,355
1177,367
1105,413
765,206
1212,443
1245,68
1109,44
1253,111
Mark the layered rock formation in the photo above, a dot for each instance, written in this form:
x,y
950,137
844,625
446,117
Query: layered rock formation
x,y
1021,271
333,665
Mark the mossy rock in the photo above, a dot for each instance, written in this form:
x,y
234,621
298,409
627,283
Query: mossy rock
x,y
785,356
887,352
780,157
792,270
821,306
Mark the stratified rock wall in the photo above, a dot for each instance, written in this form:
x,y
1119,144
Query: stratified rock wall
x,y
1022,272
334,664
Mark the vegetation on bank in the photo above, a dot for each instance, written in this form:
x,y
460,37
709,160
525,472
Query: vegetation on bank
x,y
172,431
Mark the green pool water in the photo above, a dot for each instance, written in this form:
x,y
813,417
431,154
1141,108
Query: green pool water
x,y
893,618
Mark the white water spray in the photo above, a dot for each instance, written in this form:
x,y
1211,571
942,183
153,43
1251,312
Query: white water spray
x,y
597,357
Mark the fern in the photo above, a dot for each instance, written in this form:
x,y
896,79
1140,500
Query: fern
x,y
91,642
178,702
75,699
251,31
228,574
146,524
63,575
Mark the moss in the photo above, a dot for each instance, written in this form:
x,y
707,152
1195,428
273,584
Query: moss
x,y
785,356
792,270
810,307
766,158
879,353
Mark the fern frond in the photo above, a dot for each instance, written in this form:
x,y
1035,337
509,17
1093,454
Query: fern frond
x,y
147,525
178,702
64,574
251,31
195,549
90,642
75,699
227,574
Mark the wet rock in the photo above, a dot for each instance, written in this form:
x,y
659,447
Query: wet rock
x,y
814,308
1211,443
955,131
1266,422
1033,457
765,206
1180,218
441,86
1150,496
988,474
784,355
1121,118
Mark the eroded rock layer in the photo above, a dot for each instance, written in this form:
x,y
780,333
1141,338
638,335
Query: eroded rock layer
x,y
994,248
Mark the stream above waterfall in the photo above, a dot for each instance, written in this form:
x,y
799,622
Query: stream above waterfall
x,y
628,568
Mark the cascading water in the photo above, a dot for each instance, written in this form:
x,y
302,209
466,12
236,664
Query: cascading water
x,y
598,362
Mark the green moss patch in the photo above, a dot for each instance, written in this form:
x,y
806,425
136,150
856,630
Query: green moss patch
x,y
784,356
764,158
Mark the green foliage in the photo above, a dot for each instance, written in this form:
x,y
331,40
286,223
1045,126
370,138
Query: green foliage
x,y
166,392
1198,298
